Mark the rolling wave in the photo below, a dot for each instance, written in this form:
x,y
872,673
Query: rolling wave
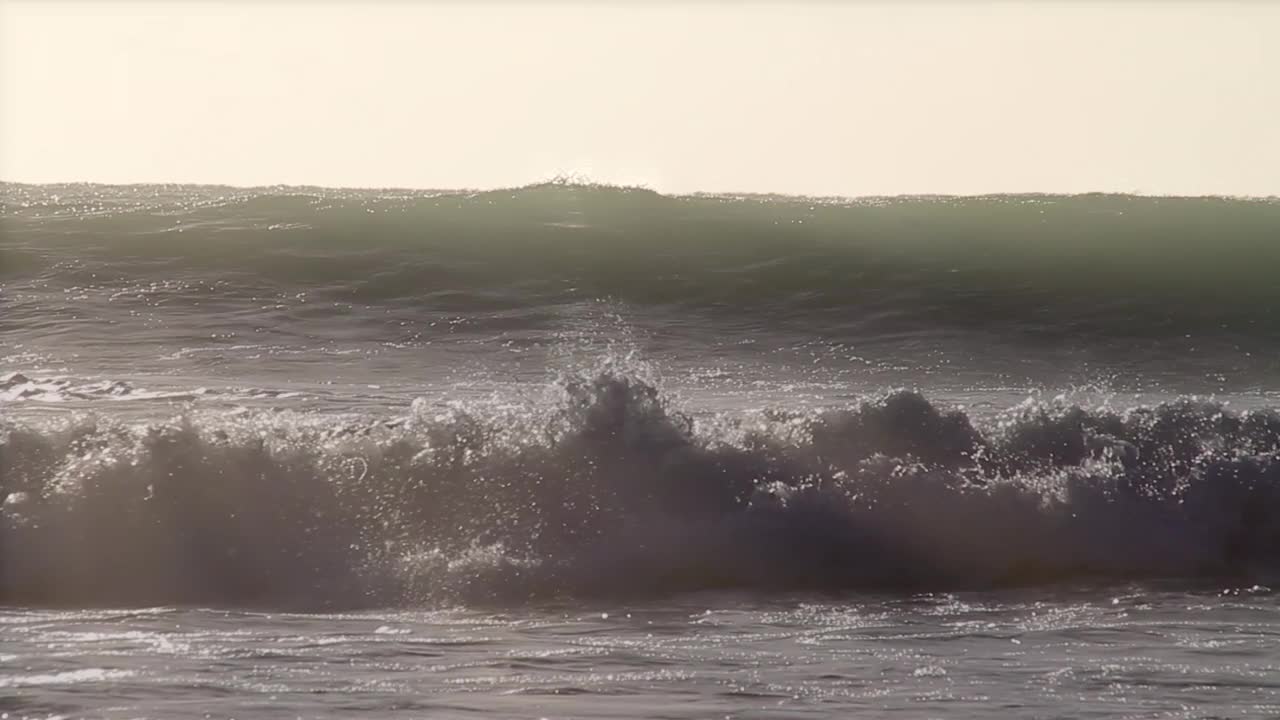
x,y
605,489
1038,265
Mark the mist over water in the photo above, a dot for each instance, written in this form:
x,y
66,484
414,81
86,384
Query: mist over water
x,y
495,420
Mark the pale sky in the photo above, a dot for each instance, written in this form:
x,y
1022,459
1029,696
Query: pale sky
x,y
824,98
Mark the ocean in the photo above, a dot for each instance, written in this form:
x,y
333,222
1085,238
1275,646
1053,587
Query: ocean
x,y
581,451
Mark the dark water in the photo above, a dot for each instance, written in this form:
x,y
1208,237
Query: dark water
x,y
575,451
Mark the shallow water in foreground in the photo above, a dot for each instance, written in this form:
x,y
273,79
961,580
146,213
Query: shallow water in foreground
x,y
1104,652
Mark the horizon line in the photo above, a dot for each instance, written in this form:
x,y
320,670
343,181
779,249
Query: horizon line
x,y
575,180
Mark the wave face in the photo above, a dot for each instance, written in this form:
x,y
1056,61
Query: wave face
x,y
604,489
1046,267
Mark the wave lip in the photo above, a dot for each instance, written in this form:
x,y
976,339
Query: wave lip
x,y
611,491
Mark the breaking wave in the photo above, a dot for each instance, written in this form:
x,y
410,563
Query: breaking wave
x,y
607,489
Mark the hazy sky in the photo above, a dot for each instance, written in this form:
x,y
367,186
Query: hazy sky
x,y
821,98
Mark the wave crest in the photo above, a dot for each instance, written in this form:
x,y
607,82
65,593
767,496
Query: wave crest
x,y
612,491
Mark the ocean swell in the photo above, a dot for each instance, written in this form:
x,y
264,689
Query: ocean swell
x,y
605,488
1034,265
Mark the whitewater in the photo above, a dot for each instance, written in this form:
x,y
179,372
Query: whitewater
x,y
572,450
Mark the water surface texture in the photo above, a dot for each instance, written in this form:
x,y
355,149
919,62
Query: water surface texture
x,y
583,451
